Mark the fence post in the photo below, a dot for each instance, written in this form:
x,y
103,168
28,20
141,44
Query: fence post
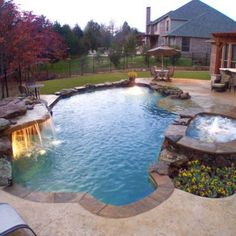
x,y
93,64
5,82
69,66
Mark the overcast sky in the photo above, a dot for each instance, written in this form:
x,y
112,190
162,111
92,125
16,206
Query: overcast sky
x,y
103,11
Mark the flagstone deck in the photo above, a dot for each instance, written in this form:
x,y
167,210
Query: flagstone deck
x,y
181,214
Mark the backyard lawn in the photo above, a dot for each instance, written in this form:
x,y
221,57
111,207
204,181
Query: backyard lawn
x,y
52,86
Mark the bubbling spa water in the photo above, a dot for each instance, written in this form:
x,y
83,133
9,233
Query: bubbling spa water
x,y
212,128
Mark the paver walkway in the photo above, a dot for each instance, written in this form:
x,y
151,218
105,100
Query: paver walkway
x,y
181,214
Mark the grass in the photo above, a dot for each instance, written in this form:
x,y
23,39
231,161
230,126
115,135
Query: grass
x,y
202,75
52,86
103,63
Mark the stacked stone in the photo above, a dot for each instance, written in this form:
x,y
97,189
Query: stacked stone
x,y
10,108
64,93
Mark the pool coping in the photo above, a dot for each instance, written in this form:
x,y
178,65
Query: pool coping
x,y
164,184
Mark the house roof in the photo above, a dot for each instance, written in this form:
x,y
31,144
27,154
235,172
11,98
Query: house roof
x,y
204,25
201,20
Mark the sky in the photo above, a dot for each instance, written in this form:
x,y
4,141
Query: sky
x,y
117,11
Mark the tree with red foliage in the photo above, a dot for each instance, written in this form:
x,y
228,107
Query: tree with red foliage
x,y
25,40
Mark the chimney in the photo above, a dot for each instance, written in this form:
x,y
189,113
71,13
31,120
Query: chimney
x,y
148,18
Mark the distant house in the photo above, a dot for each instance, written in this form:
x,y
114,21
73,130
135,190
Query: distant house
x,y
188,28
223,52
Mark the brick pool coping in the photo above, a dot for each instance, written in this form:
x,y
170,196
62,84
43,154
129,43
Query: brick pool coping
x,y
164,189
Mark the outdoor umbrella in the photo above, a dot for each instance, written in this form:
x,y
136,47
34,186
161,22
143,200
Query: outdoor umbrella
x,y
163,51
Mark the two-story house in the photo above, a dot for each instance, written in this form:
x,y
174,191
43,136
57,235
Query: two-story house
x,y
188,28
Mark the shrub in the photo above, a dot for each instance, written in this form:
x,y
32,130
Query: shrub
x,y
206,181
132,74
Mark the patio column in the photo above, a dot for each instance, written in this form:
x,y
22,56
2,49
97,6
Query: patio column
x,y
222,57
229,59
218,57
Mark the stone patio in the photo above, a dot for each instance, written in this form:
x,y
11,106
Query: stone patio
x,y
181,214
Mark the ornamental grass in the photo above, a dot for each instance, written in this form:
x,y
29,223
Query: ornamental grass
x,y
206,181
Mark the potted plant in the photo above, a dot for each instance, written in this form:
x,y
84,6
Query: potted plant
x,y
132,75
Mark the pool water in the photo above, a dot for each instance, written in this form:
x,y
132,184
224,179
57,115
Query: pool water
x,y
108,140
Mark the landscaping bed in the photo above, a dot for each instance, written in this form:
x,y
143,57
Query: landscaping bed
x,y
205,180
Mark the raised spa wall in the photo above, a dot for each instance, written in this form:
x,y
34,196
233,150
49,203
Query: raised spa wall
x,y
178,148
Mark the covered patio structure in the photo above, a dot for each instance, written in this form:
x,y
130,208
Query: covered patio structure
x,y
223,52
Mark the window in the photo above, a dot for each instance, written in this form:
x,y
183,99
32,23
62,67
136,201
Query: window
x,y
172,41
185,44
233,62
225,56
155,28
167,25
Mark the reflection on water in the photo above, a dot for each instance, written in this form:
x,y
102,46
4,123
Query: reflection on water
x,y
34,140
109,140
210,128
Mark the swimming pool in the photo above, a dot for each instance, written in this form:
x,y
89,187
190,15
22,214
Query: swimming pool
x,y
108,140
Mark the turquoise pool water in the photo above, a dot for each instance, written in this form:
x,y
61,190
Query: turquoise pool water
x,y
108,140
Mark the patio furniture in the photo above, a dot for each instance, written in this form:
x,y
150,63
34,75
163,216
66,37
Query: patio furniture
x,y
218,84
233,82
170,74
153,72
226,78
162,74
11,220
231,74
34,88
24,91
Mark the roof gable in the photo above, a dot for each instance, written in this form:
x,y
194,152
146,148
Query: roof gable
x,y
188,11
205,24
201,20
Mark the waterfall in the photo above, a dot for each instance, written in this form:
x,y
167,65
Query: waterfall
x,y
33,139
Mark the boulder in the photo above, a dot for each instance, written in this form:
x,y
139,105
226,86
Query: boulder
x,y
108,84
30,107
124,83
5,145
90,86
67,92
167,90
162,168
182,121
181,96
11,108
5,172
4,124
185,96
28,101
